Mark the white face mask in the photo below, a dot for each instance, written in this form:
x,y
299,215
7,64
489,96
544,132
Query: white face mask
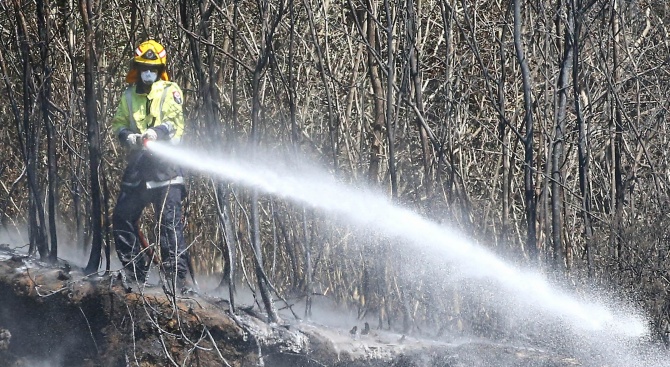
x,y
149,76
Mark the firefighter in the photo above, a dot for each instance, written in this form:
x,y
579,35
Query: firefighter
x,y
150,109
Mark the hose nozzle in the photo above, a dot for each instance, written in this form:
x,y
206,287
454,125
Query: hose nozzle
x,y
146,143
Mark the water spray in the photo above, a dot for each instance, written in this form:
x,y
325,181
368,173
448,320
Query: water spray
x,y
370,210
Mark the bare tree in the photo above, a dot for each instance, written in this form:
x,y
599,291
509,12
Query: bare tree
x,y
417,80
29,137
583,144
377,90
269,23
616,129
529,164
86,9
564,22
390,91
43,24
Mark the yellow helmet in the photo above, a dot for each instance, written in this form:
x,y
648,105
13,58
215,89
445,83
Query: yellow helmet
x,y
151,53
148,53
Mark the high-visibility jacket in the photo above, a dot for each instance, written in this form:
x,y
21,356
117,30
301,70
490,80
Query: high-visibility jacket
x,y
161,110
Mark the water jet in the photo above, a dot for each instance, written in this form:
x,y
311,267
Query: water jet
x,y
613,332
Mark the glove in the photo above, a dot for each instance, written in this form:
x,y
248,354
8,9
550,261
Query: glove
x,y
134,140
150,135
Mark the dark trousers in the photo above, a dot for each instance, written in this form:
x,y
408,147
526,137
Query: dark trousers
x,y
166,202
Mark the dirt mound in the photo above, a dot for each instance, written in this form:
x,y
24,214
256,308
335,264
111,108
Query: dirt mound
x,y
52,315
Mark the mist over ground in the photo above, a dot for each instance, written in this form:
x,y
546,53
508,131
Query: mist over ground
x,y
528,310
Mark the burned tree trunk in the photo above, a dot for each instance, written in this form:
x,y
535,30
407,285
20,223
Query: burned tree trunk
x,y
416,79
504,137
93,135
377,92
255,215
222,193
583,146
307,248
269,26
616,130
528,167
390,116
28,137
42,9
557,181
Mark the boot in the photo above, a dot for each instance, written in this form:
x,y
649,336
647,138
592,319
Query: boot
x,y
137,272
185,286
133,275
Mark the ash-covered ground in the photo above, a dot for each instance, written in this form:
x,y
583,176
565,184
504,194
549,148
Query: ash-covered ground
x,y
52,315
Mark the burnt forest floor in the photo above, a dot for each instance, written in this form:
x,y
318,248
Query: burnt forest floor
x,y
52,315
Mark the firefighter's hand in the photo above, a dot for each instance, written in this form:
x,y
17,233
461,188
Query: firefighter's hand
x,y
150,135
134,141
